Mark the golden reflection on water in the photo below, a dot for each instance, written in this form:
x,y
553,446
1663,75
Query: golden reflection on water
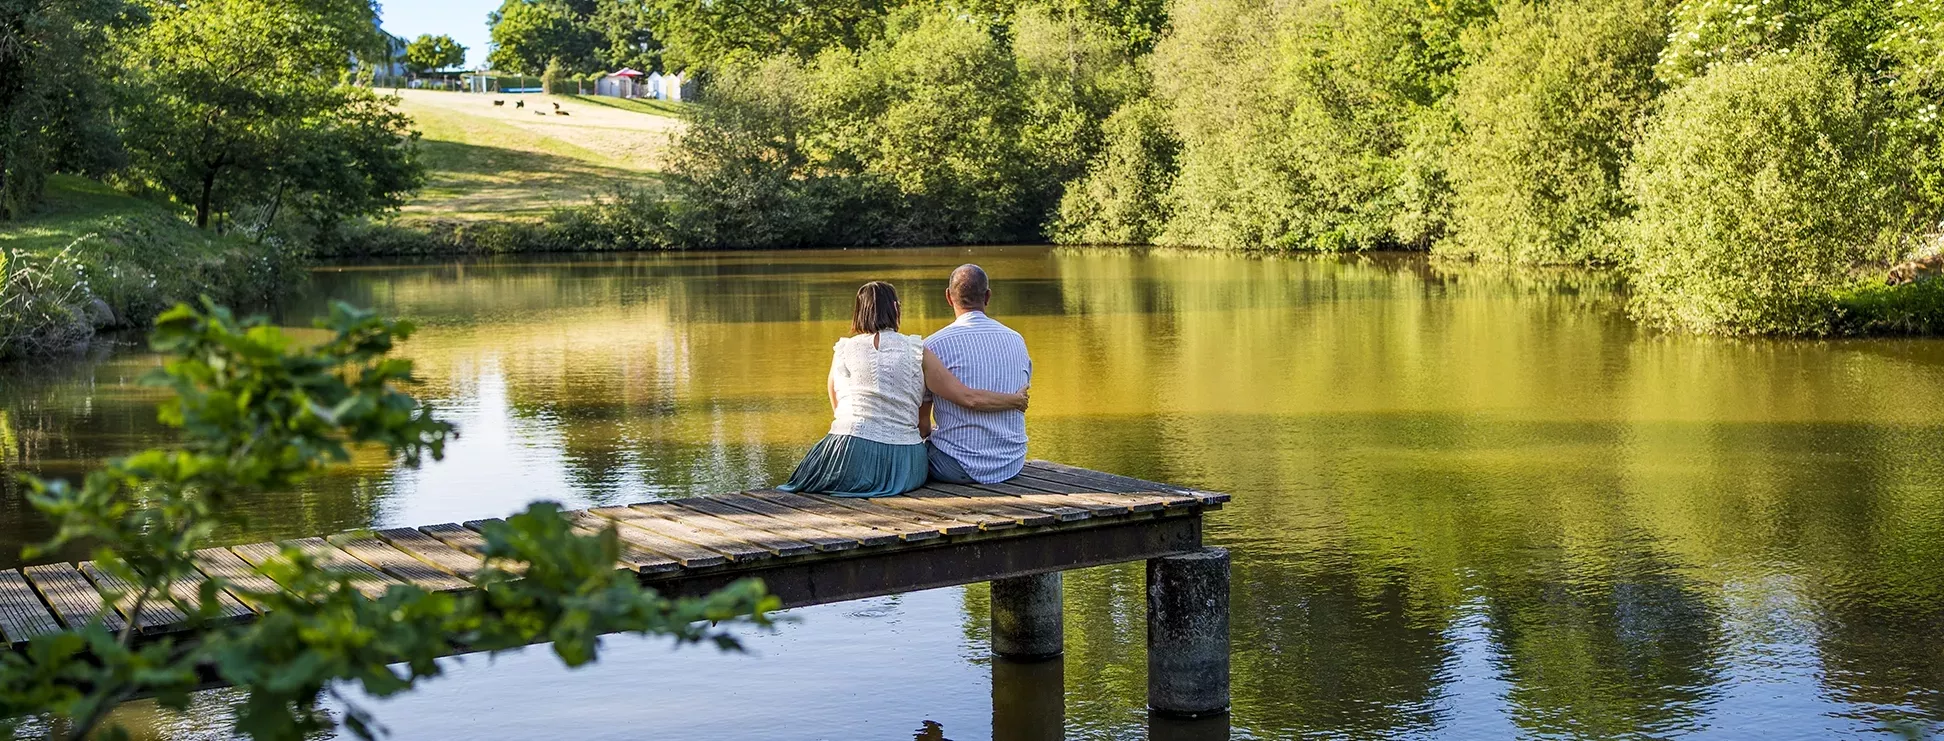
x,y
1469,502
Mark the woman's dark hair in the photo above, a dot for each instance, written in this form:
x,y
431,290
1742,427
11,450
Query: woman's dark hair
x,y
877,309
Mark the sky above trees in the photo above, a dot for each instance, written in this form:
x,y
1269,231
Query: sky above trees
x,y
463,20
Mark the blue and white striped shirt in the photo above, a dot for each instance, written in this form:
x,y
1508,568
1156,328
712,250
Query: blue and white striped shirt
x,y
986,355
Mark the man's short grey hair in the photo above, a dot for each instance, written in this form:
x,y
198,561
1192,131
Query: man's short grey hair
x,y
970,286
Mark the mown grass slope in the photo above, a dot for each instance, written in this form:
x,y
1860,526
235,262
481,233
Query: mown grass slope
x,y
507,162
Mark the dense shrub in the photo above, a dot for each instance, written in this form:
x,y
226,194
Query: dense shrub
x,y
1123,198
1546,113
1758,187
1292,116
935,133
1073,73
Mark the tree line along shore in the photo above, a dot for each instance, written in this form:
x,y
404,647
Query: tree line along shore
x,y
1767,167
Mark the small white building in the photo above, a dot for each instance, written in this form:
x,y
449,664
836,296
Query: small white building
x,y
675,87
623,83
654,87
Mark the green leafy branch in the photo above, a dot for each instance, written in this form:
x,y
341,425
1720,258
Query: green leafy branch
x,y
262,411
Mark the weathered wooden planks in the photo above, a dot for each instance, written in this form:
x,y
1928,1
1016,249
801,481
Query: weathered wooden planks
x,y
907,524
379,555
825,548
22,616
221,563
830,520
783,525
433,551
156,612
742,529
684,532
228,608
73,599
1118,483
646,552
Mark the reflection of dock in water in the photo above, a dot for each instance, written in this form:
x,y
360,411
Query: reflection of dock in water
x,y
1020,535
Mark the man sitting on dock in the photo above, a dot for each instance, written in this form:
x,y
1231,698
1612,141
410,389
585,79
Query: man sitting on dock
x,y
966,446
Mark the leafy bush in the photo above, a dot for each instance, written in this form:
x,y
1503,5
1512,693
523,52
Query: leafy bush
x,y
1292,116
916,139
1758,187
261,412
1546,113
1074,73
1123,198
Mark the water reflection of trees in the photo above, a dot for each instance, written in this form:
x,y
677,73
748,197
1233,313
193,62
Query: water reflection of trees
x,y
1408,436
1416,448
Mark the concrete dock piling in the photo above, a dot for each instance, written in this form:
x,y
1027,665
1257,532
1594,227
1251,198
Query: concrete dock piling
x,y
1188,633
1026,620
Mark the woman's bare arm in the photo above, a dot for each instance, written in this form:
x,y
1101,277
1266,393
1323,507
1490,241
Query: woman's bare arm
x,y
940,381
924,418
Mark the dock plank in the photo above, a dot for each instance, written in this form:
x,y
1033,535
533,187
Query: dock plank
x,y
644,517
729,521
366,579
636,552
468,540
396,563
433,551
1144,502
951,520
908,524
223,564
823,520
1060,506
229,610
798,529
1021,515
157,612
1123,484
1099,506
22,615
74,600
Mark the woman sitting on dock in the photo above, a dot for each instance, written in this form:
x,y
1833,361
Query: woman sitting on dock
x,y
878,380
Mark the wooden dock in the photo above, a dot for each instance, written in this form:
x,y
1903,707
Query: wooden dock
x,y
808,549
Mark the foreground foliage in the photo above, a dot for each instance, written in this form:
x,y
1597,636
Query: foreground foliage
x,y
262,412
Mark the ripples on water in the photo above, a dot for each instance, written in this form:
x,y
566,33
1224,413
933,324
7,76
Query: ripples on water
x,y
1469,503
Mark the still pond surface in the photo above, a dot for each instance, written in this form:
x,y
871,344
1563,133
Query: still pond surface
x,y
1468,503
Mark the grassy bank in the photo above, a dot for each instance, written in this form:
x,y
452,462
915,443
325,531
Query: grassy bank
x,y
498,176
93,259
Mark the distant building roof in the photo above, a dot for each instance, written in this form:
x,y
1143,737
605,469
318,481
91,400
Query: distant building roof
x,y
626,72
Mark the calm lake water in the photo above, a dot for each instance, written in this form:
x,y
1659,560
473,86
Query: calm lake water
x,y
1468,503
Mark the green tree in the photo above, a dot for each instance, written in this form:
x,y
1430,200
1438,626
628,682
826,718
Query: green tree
x,y
53,110
1294,118
428,52
260,412
230,100
1546,114
527,34
1072,74
1123,198
628,29
707,35
1757,187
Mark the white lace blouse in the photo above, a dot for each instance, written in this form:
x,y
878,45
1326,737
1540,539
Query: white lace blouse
x,y
879,388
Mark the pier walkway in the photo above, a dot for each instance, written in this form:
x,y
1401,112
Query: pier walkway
x,y
808,550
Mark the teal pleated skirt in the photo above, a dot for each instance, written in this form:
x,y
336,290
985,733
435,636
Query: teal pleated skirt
x,y
846,466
